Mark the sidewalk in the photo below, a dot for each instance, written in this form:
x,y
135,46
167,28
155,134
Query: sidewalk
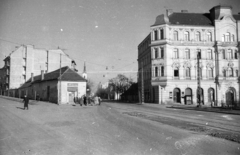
x,y
194,107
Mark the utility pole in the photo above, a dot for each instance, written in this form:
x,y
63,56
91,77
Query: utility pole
x,y
198,81
60,94
217,74
142,102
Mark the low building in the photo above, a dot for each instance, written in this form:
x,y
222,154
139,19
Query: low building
x,y
61,86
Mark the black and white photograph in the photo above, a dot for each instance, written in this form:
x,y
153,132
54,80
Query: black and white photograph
x,y
119,77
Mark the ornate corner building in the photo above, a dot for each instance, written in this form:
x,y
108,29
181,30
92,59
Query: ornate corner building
x,y
167,58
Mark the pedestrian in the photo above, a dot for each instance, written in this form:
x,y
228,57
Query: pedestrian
x,y
96,101
99,100
85,100
26,101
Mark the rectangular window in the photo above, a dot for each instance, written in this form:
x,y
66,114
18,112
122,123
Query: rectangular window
x,y
162,70
162,52
156,52
223,54
176,73
187,53
230,55
156,35
175,52
236,55
210,54
199,55
161,34
156,71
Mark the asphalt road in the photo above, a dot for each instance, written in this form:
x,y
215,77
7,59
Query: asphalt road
x,y
109,129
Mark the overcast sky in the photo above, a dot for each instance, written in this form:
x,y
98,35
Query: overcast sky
x,y
104,33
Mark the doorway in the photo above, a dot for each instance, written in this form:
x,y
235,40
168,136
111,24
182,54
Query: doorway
x,y
177,95
188,96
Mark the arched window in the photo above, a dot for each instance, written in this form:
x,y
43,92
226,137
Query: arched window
x,y
209,36
187,72
227,37
224,73
187,53
175,35
186,36
175,53
230,72
198,37
210,72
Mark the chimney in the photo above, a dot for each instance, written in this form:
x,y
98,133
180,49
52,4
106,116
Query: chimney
x,y
184,11
42,75
32,79
169,12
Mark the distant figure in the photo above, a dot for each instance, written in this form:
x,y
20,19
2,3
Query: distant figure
x,y
26,101
99,100
84,100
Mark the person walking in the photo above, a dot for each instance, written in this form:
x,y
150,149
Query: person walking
x,y
26,101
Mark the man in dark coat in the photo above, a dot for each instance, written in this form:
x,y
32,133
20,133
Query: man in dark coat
x,y
26,101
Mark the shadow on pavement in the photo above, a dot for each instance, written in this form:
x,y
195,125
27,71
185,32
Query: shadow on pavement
x,y
20,108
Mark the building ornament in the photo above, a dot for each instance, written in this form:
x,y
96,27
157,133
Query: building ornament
x,y
176,65
209,65
230,64
200,65
187,64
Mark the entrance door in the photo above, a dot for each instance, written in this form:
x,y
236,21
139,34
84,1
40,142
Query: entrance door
x,y
177,95
70,97
188,96
211,96
230,97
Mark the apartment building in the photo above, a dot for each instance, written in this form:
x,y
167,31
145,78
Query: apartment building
x,y
27,60
167,58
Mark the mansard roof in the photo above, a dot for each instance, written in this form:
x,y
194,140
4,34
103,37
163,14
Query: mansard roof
x,y
190,19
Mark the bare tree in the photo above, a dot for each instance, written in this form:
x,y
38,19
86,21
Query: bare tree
x,y
119,84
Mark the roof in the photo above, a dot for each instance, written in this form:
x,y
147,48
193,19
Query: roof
x,y
190,19
67,74
237,17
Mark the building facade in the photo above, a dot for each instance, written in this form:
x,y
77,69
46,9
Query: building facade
x,y
169,62
61,86
27,60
